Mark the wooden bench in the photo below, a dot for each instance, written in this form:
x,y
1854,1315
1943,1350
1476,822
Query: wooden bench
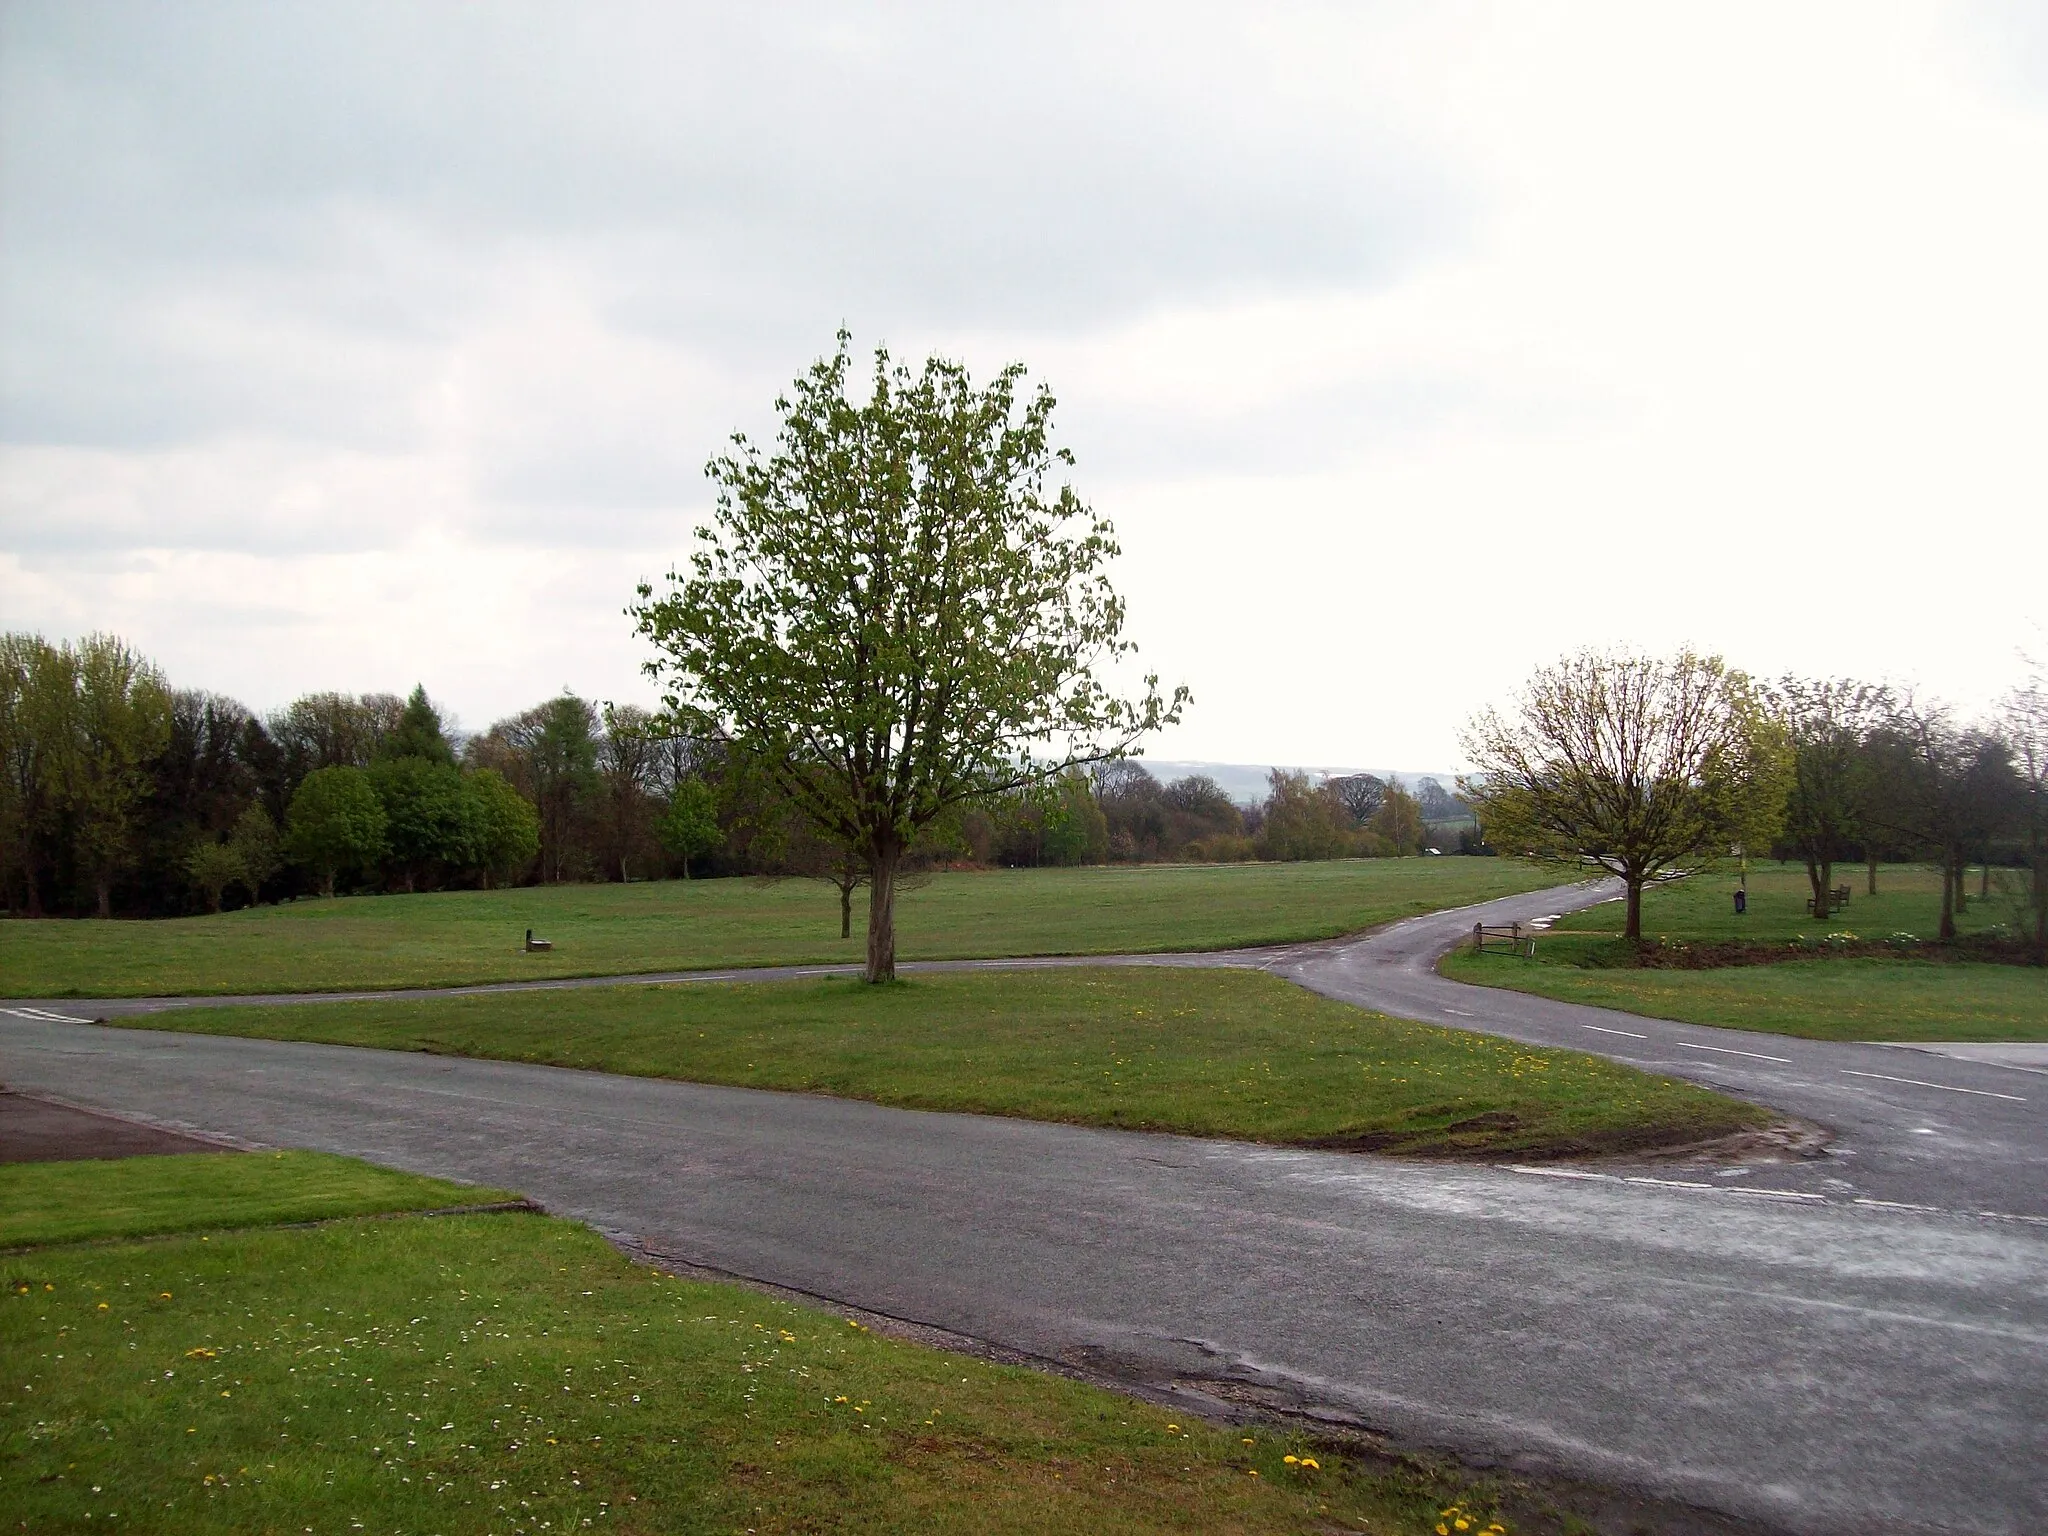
x,y
1838,898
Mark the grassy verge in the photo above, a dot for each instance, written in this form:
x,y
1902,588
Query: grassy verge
x,y
1585,961
1210,1053
1702,909
456,937
510,1373
143,1196
1818,999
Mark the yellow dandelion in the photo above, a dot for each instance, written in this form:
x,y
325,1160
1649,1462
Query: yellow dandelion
x,y
1290,1460
1311,1463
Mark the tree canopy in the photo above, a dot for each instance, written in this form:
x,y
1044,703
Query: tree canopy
x,y
1640,766
895,613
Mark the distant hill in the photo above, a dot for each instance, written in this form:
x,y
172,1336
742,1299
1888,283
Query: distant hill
x,y
1246,782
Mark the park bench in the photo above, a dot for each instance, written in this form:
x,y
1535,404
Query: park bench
x,y
534,945
1838,898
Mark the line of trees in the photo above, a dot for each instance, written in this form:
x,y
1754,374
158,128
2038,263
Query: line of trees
x,y
124,794
1655,767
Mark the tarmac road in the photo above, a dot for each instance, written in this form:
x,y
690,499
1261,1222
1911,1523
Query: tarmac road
x,y
1795,1354
1909,1125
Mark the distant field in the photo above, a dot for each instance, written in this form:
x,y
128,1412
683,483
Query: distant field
x,y
1822,999
456,937
1205,1053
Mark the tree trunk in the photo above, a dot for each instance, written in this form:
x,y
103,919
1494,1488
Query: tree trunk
x,y
327,883
35,891
1635,908
2040,902
686,866
1962,868
1984,881
846,911
103,897
1870,861
1948,901
882,915
1817,879
1825,905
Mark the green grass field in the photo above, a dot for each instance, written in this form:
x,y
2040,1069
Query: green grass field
x,y
457,937
144,1196
510,1373
1822,999
1211,1053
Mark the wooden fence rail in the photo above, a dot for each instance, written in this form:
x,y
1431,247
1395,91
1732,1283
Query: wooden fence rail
x,y
1512,940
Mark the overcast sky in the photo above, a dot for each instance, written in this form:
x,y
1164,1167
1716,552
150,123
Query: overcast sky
x,y
353,345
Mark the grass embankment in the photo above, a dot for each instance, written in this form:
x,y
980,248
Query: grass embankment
x,y
1208,1053
1584,960
143,1196
512,1373
457,937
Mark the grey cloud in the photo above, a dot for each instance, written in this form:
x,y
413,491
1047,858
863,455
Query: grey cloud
x,y
745,179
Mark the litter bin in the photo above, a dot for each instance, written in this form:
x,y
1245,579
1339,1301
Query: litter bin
x,y
1741,902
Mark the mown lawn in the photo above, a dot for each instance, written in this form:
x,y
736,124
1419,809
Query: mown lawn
x,y
1583,961
1908,900
1207,1053
142,1196
511,1373
456,937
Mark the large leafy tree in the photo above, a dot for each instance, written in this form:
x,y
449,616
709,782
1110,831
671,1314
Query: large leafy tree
x,y
1826,725
689,824
426,816
124,720
38,752
1645,767
894,613
336,823
504,827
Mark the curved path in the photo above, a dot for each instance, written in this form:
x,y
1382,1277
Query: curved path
x,y
1909,1126
1820,1364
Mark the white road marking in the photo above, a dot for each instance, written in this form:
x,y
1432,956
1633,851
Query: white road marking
x,y
1606,1031
1775,1194
1801,1196
1982,1093
1461,1013
1560,1173
1785,1061
44,1016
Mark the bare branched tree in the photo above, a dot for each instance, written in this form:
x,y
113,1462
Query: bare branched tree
x,y
1643,767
